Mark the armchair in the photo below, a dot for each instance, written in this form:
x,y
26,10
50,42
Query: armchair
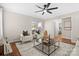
x,y
25,38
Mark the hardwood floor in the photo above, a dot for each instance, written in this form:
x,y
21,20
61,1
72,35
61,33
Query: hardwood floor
x,y
68,41
15,50
62,39
17,53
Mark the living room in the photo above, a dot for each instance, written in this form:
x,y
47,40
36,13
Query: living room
x,y
26,32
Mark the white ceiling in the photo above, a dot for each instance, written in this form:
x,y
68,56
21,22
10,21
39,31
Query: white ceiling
x,y
30,8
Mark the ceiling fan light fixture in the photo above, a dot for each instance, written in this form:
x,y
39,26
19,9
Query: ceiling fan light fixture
x,y
44,11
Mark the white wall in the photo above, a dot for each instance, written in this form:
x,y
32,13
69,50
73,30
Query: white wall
x,y
75,23
1,24
75,26
15,23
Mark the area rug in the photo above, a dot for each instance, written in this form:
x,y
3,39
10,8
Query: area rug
x,y
27,49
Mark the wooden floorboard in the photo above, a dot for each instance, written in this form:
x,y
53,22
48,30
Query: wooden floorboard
x,y
68,41
15,50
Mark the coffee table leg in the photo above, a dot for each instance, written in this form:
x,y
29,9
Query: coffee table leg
x,y
42,46
48,50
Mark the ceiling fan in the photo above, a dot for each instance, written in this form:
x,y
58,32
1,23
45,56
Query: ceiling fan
x,y
46,8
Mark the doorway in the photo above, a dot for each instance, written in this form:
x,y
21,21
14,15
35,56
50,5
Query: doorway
x,y
57,27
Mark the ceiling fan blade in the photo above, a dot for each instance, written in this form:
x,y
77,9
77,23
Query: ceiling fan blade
x,y
43,13
39,11
48,5
45,6
52,8
49,12
39,7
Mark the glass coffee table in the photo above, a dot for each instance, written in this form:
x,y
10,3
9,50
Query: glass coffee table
x,y
47,47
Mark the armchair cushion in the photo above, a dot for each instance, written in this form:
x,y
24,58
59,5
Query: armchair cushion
x,y
26,38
